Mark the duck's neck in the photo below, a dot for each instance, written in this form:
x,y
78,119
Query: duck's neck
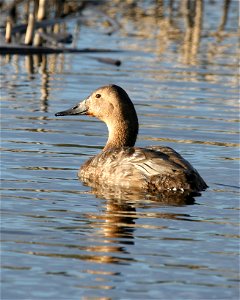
x,y
122,133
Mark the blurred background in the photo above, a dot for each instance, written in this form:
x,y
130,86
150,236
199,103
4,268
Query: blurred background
x,y
178,61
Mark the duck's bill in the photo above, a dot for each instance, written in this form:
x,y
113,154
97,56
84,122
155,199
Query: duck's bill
x,y
79,109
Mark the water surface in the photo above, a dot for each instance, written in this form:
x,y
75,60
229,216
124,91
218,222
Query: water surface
x,y
59,239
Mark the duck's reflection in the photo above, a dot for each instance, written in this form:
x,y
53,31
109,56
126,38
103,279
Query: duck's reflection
x,y
103,240
114,227
116,223
124,194
119,220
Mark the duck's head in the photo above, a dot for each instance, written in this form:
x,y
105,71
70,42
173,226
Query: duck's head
x,y
112,105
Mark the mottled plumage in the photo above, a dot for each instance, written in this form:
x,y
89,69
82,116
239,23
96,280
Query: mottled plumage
x,y
149,169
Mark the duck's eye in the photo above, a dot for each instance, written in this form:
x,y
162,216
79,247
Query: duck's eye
x,y
98,96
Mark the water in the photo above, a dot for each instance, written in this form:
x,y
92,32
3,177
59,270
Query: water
x,y
60,240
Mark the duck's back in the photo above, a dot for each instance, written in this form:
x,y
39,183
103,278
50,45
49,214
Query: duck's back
x,y
150,169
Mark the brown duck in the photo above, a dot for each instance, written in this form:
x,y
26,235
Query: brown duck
x,y
151,169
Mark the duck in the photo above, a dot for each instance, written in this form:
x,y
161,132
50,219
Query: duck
x,y
151,169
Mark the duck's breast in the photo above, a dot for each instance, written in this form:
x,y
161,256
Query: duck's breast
x,y
114,167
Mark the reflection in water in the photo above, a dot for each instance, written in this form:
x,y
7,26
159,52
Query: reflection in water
x,y
193,20
179,21
164,21
224,15
60,240
36,64
119,221
116,225
125,194
44,65
112,231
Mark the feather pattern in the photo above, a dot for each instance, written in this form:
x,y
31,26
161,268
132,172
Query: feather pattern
x,y
152,169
